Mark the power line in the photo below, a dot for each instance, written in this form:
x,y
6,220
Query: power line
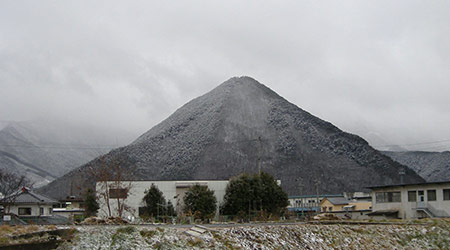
x,y
413,144
433,147
259,139
101,146
60,147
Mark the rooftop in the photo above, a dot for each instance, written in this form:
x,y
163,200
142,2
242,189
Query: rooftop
x,y
338,200
410,184
314,196
26,195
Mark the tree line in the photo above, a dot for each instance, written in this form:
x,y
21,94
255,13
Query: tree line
x,y
246,196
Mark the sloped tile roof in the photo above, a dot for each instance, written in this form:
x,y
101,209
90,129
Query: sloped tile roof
x,y
338,200
28,196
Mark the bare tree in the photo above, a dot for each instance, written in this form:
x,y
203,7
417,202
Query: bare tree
x,y
102,175
11,183
113,180
123,185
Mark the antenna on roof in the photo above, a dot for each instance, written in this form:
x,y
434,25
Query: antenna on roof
x,y
401,173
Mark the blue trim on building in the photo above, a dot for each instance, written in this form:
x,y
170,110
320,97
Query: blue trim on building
x,y
315,196
304,209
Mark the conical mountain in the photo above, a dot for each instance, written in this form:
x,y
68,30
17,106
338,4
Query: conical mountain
x,y
237,127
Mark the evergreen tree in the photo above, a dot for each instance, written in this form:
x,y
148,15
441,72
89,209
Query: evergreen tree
x,y
239,196
154,202
91,205
247,193
170,209
200,201
274,199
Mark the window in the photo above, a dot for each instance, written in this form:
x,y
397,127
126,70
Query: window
x,y
412,196
383,197
41,211
446,194
50,210
118,193
431,194
24,210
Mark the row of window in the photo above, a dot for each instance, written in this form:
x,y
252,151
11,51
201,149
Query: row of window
x,y
308,201
27,210
384,197
413,196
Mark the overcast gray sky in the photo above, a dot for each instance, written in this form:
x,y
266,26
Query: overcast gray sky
x,y
379,69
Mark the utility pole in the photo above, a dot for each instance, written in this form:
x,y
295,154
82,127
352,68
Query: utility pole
x,y
299,180
317,193
299,204
259,155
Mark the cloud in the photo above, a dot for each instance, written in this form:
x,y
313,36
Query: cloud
x,y
369,67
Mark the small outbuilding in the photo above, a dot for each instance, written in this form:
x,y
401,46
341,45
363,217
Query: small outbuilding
x,y
345,208
71,208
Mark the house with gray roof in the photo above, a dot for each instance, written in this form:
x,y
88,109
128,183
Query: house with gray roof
x,y
26,203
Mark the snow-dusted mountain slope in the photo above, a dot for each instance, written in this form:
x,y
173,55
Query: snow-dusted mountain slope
x,y
432,166
216,136
44,151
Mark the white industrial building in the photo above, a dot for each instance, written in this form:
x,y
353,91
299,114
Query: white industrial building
x,y
408,201
172,190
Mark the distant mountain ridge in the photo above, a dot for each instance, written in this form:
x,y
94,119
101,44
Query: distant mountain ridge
x,y
44,151
215,136
432,166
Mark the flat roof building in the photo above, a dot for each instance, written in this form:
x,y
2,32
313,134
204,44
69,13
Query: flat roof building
x,y
173,191
308,203
430,199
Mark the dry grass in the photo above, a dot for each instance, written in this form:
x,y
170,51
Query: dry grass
x,y
26,229
6,230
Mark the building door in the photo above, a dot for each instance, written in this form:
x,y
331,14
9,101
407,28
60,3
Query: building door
x,y
421,199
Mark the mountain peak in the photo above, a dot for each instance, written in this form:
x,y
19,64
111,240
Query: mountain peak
x,y
239,82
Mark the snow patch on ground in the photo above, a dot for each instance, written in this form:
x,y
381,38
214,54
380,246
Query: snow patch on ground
x,y
302,236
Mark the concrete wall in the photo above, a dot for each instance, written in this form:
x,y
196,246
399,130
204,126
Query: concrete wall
x,y
172,190
353,215
408,210
357,206
361,205
69,214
